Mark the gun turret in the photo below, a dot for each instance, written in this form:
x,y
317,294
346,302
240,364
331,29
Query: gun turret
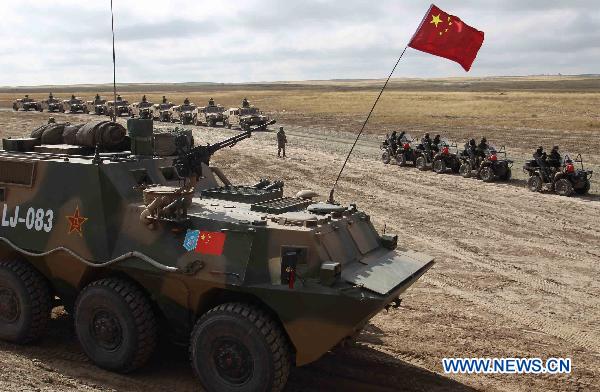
x,y
189,163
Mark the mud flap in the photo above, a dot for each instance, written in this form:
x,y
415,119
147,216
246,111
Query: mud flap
x,y
385,273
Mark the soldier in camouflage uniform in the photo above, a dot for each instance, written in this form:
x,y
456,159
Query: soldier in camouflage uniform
x,y
281,142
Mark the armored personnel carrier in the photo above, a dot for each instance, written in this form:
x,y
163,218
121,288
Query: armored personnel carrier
x,y
120,107
244,117
183,114
209,115
97,105
26,104
162,111
142,109
75,105
52,104
254,281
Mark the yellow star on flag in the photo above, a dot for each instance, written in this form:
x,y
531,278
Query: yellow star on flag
x,y
436,20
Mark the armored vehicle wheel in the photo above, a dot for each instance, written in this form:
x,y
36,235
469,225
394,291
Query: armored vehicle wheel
x,y
465,170
238,347
211,123
564,187
115,324
421,164
15,108
385,157
195,121
439,166
25,302
535,183
584,190
487,174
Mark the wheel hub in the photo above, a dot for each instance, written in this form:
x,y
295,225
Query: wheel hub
x,y
233,360
9,305
106,330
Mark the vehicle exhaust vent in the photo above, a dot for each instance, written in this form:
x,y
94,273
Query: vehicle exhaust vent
x,y
279,206
17,173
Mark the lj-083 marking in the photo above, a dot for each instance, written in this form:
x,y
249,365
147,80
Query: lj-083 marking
x,y
37,219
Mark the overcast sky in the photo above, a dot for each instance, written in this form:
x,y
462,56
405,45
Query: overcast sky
x,y
67,42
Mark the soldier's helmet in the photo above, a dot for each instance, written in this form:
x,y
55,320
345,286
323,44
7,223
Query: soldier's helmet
x,y
483,140
164,99
472,142
26,95
437,137
281,129
119,98
539,150
72,96
186,101
427,135
144,98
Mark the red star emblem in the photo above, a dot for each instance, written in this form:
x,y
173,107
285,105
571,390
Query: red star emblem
x,y
76,222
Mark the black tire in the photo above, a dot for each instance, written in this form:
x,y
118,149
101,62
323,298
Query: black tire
x,y
401,159
563,187
421,164
465,170
385,157
507,175
243,335
25,302
487,174
535,183
439,166
583,190
15,108
115,324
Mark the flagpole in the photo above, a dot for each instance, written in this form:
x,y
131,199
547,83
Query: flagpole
x,y
331,199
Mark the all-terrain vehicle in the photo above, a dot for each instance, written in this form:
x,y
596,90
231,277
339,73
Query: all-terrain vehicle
x,y
162,111
52,104
142,109
209,115
565,180
97,105
26,104
493,165
388,152
119,108
254,281
405,154
244,117
183,114
75,105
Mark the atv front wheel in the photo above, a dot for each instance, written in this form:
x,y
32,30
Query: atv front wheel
x,y
563,187
385,157
115,324
439,166
239,347
25,302
465,170
487,174
401,159
535,183
421,164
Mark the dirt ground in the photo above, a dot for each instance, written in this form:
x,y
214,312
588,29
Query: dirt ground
x,y
517,273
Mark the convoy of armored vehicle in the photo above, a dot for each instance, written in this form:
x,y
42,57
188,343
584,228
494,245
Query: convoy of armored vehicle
x,y
26,104
209,115
52,104
142,109
74,105
118,108
253,280
162,111
183,114
244,117
97,105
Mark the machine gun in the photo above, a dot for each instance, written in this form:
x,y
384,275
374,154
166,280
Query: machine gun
x,y
189,163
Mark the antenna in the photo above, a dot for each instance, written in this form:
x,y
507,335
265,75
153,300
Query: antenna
x,y
331,199
112,27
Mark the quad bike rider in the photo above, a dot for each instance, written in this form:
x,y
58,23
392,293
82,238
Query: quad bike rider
x,y
424,153
444,160
389,147
52,104
555,174
483,162
161,111
405,152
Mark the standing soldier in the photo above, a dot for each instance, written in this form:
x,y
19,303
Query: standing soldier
x,y
281,142
164,99
211,102
245,103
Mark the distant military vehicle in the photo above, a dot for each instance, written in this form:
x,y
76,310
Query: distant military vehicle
x,y
162,111
119,108
183,114
97,105
142,109
26,104
564,179
52,104
254,280
244,117
75,105
209,115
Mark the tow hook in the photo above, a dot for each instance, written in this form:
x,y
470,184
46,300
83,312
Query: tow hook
x,y
395,304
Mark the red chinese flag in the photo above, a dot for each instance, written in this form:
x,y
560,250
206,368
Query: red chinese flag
x,y
447,36
210,243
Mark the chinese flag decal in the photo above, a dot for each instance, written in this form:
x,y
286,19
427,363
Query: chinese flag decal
x,y
206,242
447,36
